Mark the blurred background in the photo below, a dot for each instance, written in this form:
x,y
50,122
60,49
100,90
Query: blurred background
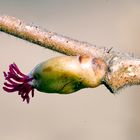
x,y
89,113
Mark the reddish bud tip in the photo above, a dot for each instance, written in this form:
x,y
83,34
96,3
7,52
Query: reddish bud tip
x,y
17,81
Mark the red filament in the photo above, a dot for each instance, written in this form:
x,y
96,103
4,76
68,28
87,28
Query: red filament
x,y
17,81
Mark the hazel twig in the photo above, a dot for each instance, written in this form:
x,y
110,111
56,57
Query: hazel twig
x,y
122,68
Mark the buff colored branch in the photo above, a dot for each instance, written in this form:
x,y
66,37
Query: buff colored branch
x,y
123,69
46,38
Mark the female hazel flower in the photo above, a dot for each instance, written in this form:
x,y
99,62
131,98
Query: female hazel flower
x,y
63,75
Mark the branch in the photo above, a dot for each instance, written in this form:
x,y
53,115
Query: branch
x,y
123,69
45,38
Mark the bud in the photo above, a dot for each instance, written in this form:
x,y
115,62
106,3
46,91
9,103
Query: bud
x,y
64,75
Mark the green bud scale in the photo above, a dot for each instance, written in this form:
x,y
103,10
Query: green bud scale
x,y
63,75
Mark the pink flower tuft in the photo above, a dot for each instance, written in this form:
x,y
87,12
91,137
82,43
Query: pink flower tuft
x,y
17,81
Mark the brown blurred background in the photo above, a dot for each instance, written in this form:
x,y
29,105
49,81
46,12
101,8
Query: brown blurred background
x,y
89,114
